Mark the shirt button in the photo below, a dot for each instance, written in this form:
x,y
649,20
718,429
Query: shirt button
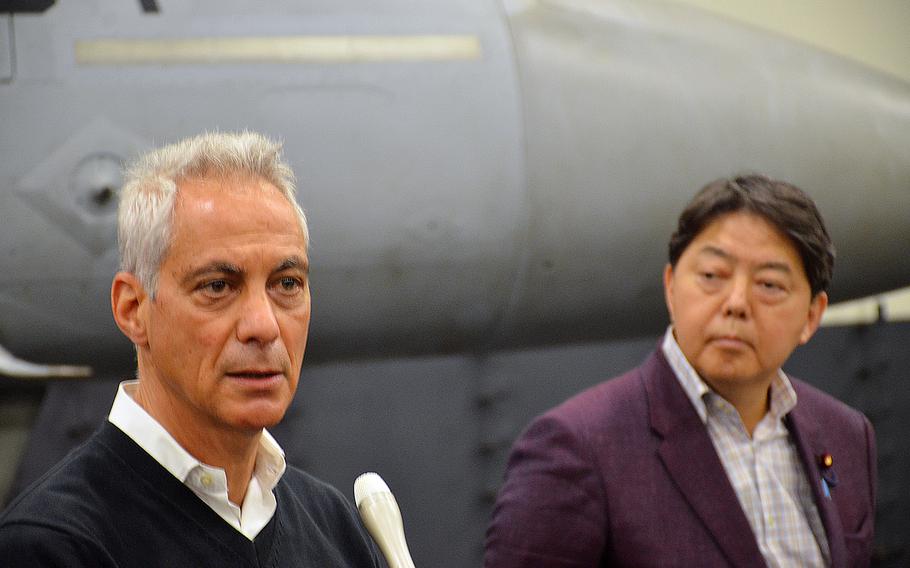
x,y
206,480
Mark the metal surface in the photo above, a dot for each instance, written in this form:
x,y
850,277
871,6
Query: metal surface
x,y
6,49
515,194
294,49
12,367
630,106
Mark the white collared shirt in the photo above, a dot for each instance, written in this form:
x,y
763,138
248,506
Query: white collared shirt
x,y
764,469
207,482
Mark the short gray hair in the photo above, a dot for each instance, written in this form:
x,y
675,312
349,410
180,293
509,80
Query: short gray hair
x,y
145,216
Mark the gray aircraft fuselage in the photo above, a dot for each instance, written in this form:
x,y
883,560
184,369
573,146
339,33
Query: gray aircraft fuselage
x,y
477,175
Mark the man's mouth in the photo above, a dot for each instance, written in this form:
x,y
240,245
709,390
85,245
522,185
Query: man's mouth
x,y
252,374
730,341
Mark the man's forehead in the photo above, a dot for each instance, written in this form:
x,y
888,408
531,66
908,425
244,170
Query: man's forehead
x,y
748,236
192,190
205,197
238,234
215,179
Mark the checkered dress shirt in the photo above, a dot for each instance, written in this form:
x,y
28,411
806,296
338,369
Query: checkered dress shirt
x,y
764,469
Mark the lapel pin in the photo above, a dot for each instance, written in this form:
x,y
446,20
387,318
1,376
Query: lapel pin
x,y
829,478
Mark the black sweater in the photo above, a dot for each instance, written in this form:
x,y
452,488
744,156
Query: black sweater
x,y
109,504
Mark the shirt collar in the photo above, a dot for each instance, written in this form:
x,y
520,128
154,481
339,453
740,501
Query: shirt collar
x,y
127,415
783,397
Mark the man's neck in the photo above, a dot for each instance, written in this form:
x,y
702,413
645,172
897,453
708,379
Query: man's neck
x,y
752,401
233,451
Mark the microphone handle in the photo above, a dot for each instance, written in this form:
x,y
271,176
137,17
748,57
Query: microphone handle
x,y
382,518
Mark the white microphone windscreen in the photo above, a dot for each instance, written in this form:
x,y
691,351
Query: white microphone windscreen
x,y
367,484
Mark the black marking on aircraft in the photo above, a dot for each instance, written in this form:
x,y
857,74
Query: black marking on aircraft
x,y
150,6
25,6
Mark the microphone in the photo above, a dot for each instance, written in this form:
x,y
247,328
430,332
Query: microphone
x,y
382,517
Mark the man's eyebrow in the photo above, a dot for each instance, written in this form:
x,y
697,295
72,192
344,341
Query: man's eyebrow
x,y
216,267
770,265
292,263
774,265
716,251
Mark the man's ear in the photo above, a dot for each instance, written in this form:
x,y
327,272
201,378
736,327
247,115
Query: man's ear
x,y
668,289
816,310
129,303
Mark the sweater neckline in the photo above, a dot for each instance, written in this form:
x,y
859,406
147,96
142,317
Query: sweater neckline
x,y
152,478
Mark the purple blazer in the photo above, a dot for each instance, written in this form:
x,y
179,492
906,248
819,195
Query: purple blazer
x,y
625,474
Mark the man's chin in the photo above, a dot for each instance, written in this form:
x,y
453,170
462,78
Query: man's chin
x,y
723,369
255,419
725,375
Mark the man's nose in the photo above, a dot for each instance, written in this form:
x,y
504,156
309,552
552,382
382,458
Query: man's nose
x,y
736,304
257,321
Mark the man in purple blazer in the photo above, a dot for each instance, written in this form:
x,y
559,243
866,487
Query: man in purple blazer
x,y
708,454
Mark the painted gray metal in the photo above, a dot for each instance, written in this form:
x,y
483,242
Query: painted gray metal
x,y
521,197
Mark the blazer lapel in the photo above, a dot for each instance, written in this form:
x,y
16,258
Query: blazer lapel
x,y
811,446
692,462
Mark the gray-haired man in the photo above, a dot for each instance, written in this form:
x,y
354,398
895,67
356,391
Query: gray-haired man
x,y
213,292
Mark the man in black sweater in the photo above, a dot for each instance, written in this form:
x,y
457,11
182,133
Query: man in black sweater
x,y
213,292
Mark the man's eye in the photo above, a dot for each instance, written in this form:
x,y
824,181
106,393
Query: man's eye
x,y
289,284
216,287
